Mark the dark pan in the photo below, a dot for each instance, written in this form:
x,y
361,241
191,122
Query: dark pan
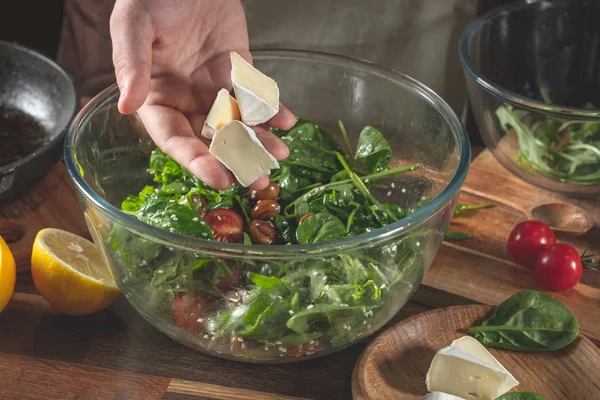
x,y
36,86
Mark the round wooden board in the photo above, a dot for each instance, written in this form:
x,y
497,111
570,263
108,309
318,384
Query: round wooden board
x,y
394,365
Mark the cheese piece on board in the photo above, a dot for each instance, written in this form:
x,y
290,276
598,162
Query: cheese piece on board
x,y
470,345
441,396
457,372
224,110
257,94
236,146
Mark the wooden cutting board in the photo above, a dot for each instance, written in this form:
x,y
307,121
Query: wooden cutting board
x,y
395,364
51,204
479,269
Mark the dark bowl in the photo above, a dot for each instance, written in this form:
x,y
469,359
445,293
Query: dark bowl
x,y
40,92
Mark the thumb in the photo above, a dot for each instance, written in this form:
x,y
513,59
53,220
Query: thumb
x,y
132,36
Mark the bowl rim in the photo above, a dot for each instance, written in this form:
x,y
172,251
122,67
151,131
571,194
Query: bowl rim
x,y
372,238
61,135
499,91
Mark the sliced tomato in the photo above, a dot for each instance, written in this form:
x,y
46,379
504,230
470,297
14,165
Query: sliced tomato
x,y
189,312
226,225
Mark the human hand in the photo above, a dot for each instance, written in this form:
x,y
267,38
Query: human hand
x,y
171,58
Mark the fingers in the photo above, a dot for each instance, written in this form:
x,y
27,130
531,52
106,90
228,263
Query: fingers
x,y
272,143
132,36
284,119
172,132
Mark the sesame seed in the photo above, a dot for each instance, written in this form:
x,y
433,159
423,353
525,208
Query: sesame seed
x,y
383,286
266,348
160,271
366,181
171,201
240,339
309,306
282,349
195,219
291,312
204,234
205,336
403,190
389,193
172,230
312,342
219,217
393,185
200,320
418,244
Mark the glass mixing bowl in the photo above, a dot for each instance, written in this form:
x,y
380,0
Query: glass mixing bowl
x,y
107,156
532,76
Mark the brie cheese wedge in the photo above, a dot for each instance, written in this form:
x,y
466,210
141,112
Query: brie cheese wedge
x,y
224,110
466,370
441,396
236,146
257,94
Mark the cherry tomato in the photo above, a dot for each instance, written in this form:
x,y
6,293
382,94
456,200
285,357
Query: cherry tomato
x,y
229,282
189,312
226,225
559,267
527,240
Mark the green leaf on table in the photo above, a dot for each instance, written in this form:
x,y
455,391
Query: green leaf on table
x,y
528,321
373,150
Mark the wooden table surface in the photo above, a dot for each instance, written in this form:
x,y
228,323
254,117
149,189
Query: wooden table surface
x,y
118,355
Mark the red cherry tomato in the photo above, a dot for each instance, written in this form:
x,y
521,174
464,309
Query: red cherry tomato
x,y
559,267
226,225
189,312
527,240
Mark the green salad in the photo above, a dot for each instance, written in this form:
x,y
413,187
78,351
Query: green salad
x,y
568,151
290,307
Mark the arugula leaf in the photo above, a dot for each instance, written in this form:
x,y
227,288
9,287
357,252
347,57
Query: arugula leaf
x,y
373,150
321,227
528,321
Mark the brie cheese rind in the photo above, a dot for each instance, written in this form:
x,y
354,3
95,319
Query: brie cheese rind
x,y
236,146
441,396
458,370
224,110
257,94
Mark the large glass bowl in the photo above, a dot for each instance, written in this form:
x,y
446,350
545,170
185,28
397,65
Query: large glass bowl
x,y
107,156
539,58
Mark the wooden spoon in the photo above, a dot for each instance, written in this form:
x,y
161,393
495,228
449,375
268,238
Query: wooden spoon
x,y
566,220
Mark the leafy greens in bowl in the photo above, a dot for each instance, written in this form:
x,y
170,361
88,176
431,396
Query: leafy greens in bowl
x,y
322,258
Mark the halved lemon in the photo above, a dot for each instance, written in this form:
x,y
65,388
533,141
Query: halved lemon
x,y
8,274
70,272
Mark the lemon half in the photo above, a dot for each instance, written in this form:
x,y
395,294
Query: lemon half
x,y
70,272
8,274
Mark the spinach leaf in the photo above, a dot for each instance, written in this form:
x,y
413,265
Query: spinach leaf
x,y
174,217
321,227
528,321
521,396
286,232
373,150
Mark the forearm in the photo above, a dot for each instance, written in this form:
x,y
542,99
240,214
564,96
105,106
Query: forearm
x,y
85,46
